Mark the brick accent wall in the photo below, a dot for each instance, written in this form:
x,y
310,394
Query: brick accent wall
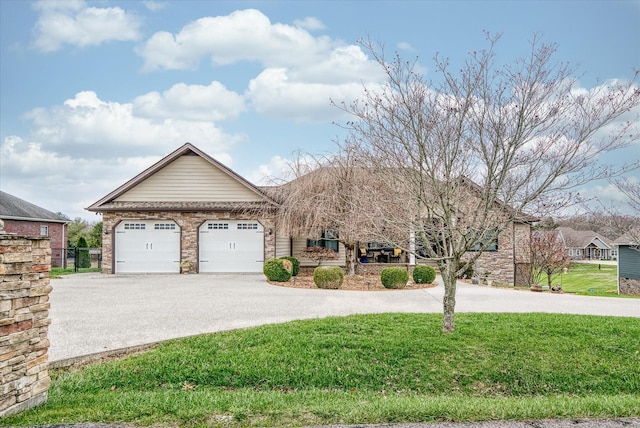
x,y
189,223
24,322
57,232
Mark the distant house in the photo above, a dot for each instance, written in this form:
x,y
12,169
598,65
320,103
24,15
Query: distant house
x,y
24,218
628,266
586,244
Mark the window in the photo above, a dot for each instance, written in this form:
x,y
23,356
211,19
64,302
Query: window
x,y
44,230
164,226
218,226
135,226
328,239
489,242
247,226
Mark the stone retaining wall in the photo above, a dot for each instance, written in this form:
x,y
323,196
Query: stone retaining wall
x,y
25,263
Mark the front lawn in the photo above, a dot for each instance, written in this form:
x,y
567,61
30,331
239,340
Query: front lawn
x,y
364,369
590,279
57,272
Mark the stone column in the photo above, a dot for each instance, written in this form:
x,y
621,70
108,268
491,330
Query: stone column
x,y
25,263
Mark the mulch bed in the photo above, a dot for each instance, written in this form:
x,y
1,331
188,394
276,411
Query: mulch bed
x,y
351,282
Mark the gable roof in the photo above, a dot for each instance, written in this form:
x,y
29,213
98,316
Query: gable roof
x,y
583,238
125,197
14,208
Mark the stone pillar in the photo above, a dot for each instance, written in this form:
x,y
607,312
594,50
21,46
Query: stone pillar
x,y
25,263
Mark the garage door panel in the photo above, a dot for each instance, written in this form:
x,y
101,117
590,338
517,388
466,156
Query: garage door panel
x,y
231,246
147,247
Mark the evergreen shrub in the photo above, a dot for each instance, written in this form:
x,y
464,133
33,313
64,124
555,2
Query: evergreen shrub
x,y
423,274
328,277
84,259
274,270
295,263
394,277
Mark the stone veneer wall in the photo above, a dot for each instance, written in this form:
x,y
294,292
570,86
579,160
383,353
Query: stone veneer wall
x,y
189,223
629,286
25,263
514,246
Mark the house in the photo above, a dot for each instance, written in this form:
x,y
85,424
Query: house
x,y
628,266
586,244
190,213
24,218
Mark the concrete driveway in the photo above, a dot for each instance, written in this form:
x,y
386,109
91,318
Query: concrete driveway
x,y
93,313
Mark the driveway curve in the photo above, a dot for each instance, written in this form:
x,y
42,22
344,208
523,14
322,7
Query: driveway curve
x,y
93,313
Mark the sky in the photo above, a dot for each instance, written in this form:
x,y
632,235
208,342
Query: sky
x,y
94,92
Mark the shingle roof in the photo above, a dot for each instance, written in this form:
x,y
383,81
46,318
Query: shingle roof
x,y
12,207
581,238
183,206
107,203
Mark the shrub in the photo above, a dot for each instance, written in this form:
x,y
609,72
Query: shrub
x,y
328,277
83,258
287,265
274,270
295,263
394,277
423,274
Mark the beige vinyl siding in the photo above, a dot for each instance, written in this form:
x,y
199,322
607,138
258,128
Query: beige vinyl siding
x,y
299,245
282,246
190,179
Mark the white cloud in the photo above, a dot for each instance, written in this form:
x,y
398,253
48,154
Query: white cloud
x,y
154,5
302,73
272,173
244,35
72,183
272,94
191,102
86,124
310,23
73,23
404,46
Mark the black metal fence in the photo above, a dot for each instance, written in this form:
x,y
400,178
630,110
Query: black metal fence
x,y
76,258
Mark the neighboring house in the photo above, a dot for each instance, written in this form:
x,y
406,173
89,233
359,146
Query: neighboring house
x,y
190,213
24,218
586,244
628,266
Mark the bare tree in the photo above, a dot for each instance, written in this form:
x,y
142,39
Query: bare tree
x,y
549,256
326,193
460,160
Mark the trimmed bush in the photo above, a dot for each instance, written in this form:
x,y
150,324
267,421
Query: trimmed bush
x,y
394,277
287,265
84,259
423,274
274,270
328,277
295,263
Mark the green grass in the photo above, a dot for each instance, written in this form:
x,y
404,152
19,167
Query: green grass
x,y
361,369
57,272
590,279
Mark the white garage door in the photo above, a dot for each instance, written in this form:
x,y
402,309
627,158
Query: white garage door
x,y
144,246
231,246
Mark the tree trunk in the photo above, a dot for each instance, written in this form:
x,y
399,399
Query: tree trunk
x,y
350,262
448,273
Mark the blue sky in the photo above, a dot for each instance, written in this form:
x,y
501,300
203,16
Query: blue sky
x,y
92,93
